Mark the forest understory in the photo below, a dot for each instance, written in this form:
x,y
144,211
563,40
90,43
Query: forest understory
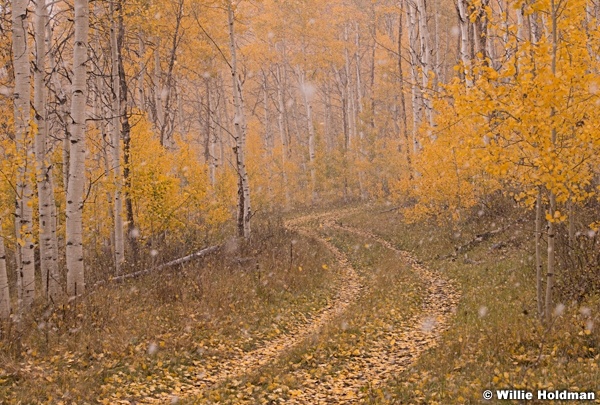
x,y
295,326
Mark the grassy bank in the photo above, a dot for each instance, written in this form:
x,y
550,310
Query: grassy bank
x,y
149,335
495,340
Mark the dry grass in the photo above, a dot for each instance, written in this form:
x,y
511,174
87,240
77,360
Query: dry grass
x,y
130,340
122,335
496,340
391,294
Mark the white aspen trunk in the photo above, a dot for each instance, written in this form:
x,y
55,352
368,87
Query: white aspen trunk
x,y
66,148
74,210
63,112
436,46
166,94
239,124
212,137
490,43
4,290
463,21
158,91
283,135
360,101
417,100
405,131
295,120
589,18
126,138
54,287
571,225
504,10
425,58
311,131
142,75
56,281
22,117
483,24
47,227
534,27
268,135
225,122
520,26
18,266
538,254
119,238
266,106
100,111
329,142
42,169
520,36
63,109
359,87
351,113
550,273
180,124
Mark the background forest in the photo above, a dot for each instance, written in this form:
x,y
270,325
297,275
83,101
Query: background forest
x,y
137,132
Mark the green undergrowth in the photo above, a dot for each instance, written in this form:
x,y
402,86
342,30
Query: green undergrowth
x,y
391,294
131,340
495,341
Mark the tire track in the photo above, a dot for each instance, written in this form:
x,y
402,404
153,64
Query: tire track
x,y
250,362
382,362
377,364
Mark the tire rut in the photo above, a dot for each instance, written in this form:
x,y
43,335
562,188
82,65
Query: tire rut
x,y
250,362
368,371
382,362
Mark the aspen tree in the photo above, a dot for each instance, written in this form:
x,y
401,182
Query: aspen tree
x,y
239,124
550,265
306,95
403,113
4,289
74,209
539,267
268,134
125,135
211,136
141,99
159,93
116,145
426,64
24,208
283,131
47,234
462,7
417,98
165,92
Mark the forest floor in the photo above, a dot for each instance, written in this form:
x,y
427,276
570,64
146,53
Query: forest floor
x,y
345,306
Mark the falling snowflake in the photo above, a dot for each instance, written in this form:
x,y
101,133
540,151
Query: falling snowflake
x,y
559,310
428,324
152,348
